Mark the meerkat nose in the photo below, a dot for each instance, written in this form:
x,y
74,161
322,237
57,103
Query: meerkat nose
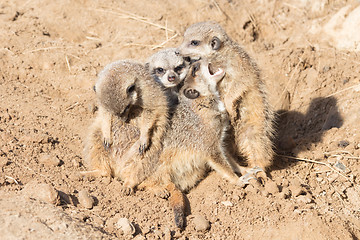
x,y
171,78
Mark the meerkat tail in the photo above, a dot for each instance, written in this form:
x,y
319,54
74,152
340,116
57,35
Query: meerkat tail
x,y
177,203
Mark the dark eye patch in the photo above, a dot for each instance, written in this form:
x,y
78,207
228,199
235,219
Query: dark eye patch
x,y
195,68
130,88
187,59
191,93
179,68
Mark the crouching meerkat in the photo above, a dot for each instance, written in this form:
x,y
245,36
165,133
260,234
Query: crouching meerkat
x,y
193,144
169,69
134,110
242,91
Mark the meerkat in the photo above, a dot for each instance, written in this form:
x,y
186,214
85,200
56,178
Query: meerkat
x,y
193,144
135,106
168,69
242,91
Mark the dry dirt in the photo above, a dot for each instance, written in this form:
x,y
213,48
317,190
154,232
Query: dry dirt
x,y
50,54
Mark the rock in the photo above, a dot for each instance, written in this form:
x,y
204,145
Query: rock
x,y
339,29
285,193
167,234
43,192
343,143
333,119
76,162
201,224
49,160
332,177
126,226
340,166
139,237
3,162
296,190
354,197
271,187
304,199
227,203
85,199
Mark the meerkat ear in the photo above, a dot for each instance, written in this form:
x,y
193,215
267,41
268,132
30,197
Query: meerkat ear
x,y
147,66
215,43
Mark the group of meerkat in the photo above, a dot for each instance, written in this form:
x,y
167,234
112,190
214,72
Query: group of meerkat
x,y
163,124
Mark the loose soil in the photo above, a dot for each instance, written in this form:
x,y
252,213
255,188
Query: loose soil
x,y
50,55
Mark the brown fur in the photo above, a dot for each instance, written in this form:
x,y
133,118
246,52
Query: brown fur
x,y
194,142
242,90
138,122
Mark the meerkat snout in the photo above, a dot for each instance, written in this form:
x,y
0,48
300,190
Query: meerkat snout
x,y
171,78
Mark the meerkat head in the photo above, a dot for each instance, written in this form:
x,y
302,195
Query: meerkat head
x,y
202,81
118,86
167,67
203,40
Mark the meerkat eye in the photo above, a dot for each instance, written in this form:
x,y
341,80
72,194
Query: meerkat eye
x,y
194,43
130,89
159,70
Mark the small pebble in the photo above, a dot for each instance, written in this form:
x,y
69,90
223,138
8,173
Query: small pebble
x,y
296,189
343,143
167,234
201,224
85,199
271,187
332,177
76,162
227,203
285,194
43,192
304,199
49,160
139,237
126,226
3,162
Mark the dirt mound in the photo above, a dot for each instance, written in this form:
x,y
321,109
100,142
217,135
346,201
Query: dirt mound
x,y
50,54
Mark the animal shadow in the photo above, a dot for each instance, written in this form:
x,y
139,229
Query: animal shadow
x,y
296,132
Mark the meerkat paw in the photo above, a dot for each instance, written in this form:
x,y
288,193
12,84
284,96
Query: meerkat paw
x,y
251,177
162,193
126,190
158,191
107,143
143,145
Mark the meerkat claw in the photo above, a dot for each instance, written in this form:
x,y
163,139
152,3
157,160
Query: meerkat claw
x,y
127,190
162,193
142,149
107,144
249,176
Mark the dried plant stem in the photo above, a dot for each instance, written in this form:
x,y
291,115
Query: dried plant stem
x,y
317,162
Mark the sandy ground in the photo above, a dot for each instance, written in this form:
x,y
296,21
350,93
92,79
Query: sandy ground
x,y
50,54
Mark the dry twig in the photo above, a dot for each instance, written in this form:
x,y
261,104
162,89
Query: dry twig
x,y
317,162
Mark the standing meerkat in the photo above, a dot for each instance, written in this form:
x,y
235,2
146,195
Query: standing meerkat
x,y
194,141
136,114
169,69
242,91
